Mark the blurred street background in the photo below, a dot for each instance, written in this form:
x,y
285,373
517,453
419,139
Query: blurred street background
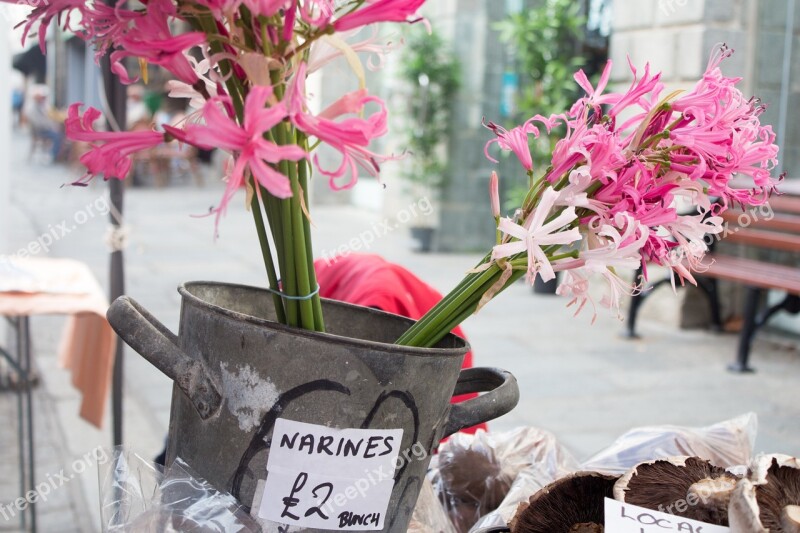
x,y
429,213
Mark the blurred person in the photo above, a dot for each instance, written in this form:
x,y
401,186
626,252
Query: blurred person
x,y
17,101
43,126
174,157
172,112
137,113
17,97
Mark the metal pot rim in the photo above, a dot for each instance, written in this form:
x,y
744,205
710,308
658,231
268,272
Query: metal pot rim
x,y
185,290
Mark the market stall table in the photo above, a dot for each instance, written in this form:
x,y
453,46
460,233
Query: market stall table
x,y
40,286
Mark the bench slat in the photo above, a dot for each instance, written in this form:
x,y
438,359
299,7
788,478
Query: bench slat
x,y
753,273
785,203
764,239
779,222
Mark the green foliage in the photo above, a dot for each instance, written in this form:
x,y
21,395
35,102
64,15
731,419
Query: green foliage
x,y
547,43
433,74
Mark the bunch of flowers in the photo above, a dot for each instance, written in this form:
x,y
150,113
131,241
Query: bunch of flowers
x,y
244,65
607,201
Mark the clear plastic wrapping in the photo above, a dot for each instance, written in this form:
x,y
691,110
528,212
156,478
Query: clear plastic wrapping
x,y
473,474
528,482
726,444
429,514
138,496
476,481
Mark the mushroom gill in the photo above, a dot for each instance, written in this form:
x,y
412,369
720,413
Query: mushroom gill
x,y
778,496
572,504
684,486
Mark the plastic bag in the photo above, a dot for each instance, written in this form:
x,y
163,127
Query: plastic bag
x,y
429,515
138,496
474,473
726,444
528,482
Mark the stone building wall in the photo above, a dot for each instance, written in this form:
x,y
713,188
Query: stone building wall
x,y
678,36
5,129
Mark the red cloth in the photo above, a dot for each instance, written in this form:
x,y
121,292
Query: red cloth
x,y
371,281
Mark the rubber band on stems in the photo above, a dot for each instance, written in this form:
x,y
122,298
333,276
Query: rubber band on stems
x,y
295,298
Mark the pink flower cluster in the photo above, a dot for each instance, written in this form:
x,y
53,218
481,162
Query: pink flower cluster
x,y
620,170
254,54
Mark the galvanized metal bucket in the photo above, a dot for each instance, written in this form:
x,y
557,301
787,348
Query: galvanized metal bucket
x,y
237,371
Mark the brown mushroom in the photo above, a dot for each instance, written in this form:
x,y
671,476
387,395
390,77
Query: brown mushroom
x,y
777,492
684,486
743,509
572,504
473,483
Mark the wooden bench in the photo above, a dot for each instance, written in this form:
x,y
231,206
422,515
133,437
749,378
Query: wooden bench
x,y
773,228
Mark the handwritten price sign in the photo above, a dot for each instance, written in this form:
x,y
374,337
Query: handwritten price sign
x,y
627,518
328,478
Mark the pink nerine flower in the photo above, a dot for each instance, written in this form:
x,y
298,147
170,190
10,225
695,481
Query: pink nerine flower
x,y
611,247
247,143
515,140
349,136
44,12
110,152
494,194
150,38
380,11
594,95
318,13
536,233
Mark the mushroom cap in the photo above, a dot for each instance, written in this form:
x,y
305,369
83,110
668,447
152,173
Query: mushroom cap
x,y
777,492
474,475
571,504
474,483
685,486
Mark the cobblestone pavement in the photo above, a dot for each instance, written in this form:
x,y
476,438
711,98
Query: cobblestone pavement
x,y
582,382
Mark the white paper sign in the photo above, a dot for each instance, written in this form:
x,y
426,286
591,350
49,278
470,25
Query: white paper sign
x,y
328,478
627,518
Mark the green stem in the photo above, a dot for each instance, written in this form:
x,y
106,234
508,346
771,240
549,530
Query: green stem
x,y
430,315
468,311
463,300
290,228
433,319
316,301
288,272
304,288
266,252
205,22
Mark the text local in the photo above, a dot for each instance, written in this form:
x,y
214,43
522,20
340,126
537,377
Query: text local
x,y
654,523
376,446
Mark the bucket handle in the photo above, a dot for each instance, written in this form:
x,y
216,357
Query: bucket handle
x,y
156,343
502,395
